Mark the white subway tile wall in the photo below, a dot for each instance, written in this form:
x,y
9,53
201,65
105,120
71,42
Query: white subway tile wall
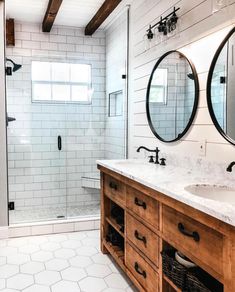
x,y
40,176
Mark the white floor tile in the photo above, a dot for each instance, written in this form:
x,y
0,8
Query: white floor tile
x,y
20,259
47,278
9,290
8,250
20,281
116,281
63,286
7,271
87,251
73,274
32,268
50,246
98,270
37,288
71,243
89,284
65,253
29,248
57,265
42,256
101,259
80,261
70,262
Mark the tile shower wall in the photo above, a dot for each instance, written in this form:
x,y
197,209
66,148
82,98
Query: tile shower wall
x,y
116,65
40,176
200,34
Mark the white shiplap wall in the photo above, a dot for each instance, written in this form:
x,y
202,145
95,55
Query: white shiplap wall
x,y
200,34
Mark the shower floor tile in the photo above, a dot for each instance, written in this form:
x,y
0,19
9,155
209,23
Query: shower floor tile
x,y
80,271
54,213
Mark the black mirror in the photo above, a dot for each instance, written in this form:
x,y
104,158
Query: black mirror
x,y
221,88
172,96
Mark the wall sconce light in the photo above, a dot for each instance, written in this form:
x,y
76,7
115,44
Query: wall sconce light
x,y
165,26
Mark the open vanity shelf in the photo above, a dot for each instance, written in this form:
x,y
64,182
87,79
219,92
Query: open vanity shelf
x,y
150,224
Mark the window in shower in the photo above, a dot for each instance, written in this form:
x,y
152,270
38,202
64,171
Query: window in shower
x,y
61,82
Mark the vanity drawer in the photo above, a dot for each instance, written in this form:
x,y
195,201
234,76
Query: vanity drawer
x,y
115,189
202,242
141,270
143,206
143,238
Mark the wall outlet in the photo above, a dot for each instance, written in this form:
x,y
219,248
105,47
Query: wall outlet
x,y
202,147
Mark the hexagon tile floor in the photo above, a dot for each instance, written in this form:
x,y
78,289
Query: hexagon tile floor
x,y
69,262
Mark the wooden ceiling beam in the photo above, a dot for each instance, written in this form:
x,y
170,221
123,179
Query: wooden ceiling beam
x,y
50,16
105,10
10,32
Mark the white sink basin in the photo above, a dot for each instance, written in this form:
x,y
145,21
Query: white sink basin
x,y
214,192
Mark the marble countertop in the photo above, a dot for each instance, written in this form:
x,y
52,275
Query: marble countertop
x,y
172,180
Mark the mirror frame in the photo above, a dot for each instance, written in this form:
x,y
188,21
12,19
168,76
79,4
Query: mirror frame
x,y
196,98
209,80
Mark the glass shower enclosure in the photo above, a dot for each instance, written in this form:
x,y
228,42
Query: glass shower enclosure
x,y
53,143
60,124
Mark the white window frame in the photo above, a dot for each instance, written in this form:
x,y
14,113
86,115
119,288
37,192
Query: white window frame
x,y
70,83
164,88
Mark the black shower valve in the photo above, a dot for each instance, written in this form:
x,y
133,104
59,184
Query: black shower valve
x,y
8,71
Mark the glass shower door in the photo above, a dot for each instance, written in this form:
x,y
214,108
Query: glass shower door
x,y
36,151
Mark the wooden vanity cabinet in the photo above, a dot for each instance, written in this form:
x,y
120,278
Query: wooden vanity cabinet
x,y
153,220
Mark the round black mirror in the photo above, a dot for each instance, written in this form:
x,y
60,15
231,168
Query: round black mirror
x,y
221,88
172,96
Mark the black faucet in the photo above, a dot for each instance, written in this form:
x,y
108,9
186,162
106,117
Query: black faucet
x,y
230,167
151,157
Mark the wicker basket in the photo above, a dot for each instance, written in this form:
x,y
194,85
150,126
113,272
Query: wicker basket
x,y
173,270
199,281
193,284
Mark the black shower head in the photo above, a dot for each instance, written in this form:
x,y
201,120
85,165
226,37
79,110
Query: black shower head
x,y
16,67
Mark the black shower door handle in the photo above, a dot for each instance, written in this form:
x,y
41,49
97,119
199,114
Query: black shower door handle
x,y
59,143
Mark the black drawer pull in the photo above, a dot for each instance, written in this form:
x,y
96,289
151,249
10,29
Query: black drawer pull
x,y
195,235
113,186
140,238
140,204
138,270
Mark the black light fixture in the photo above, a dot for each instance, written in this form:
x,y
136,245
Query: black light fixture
x,y
15,68
165,25
150,33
